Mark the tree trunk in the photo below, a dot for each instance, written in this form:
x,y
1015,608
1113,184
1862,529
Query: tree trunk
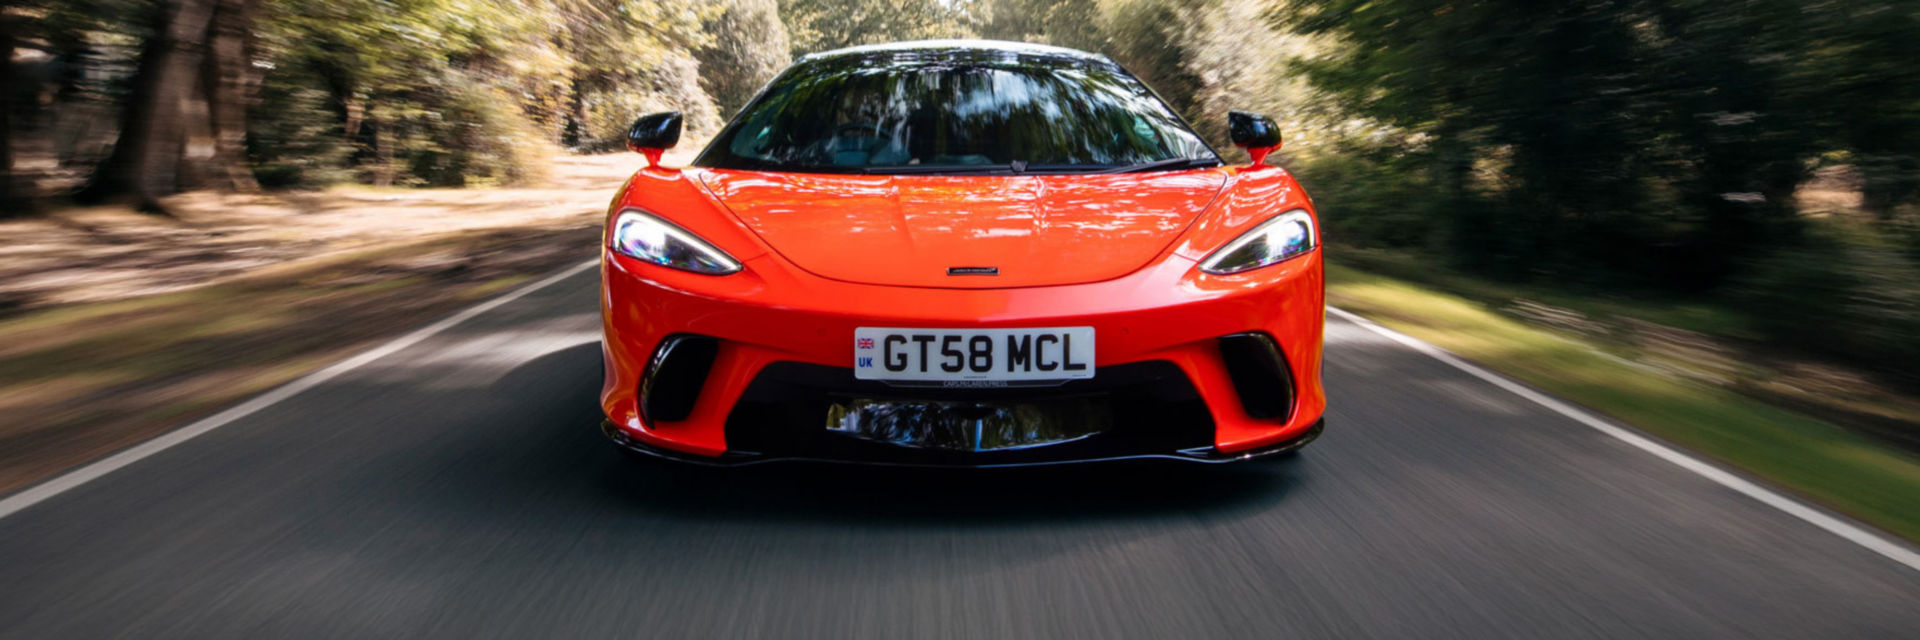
x,y
1891,179
11,202
576,130
146,159
228,78
382,153
353,114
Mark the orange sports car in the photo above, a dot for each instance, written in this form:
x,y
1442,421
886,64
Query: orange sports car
x,y
961,253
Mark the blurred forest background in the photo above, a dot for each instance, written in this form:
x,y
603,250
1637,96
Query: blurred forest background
x,y
1760,157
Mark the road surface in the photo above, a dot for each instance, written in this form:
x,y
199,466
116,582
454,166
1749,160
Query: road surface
x,y
458,487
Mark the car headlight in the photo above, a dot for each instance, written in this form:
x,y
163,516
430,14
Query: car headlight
x,y
1286,236
637,234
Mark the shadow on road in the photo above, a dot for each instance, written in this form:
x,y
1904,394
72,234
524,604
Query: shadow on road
x,y
938,497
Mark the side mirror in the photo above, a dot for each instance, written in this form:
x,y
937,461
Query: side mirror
x,y
653,134
1255,132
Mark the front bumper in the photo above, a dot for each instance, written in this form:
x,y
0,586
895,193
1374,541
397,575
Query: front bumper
x,y
771,318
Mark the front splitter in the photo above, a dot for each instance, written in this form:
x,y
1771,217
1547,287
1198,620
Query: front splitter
x,y
1205,455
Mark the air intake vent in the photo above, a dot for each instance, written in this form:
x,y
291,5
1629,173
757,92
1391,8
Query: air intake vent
x,y
674,377
1260,374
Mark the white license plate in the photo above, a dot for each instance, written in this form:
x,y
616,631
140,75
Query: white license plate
x,y
963,357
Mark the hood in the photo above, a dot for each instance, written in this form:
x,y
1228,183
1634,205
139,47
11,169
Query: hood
x,y
911,230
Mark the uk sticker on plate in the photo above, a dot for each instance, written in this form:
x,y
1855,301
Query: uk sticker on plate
x,y
973,357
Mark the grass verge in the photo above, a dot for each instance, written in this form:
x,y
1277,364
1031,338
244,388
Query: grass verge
x,y
1871,482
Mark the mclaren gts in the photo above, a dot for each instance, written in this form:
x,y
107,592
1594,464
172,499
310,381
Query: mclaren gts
x,y
961,253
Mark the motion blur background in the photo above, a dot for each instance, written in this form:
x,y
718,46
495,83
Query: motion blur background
x,y
1715,203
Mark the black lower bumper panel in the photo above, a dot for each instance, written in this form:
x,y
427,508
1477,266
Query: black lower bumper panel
x,y
1204,455
798,411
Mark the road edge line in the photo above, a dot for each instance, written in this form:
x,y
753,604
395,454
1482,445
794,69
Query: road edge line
x,y
37,493
1856,534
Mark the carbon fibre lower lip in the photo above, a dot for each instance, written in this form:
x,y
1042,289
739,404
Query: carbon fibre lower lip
x,y
745,458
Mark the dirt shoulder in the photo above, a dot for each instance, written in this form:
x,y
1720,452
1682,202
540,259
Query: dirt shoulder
x,y
99,254
116,326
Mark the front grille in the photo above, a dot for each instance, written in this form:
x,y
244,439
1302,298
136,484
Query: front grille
x,y
1144,408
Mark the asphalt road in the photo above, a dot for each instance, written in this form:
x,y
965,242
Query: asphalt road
x,y
459,488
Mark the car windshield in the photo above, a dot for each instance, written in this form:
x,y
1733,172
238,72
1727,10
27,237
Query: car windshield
x,y
956,112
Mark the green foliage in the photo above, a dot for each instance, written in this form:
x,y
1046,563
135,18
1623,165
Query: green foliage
x,y
455,92
1074,24
749,46
613,39
433,92
293,139
821,25
1841,291
1633,146
1148,38
1861,54
674,85
1204,57
473,137
626,52
1616,124
1374,195
68,25
1229,58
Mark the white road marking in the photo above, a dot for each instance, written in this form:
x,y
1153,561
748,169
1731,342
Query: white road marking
x,y
1853,533
38,493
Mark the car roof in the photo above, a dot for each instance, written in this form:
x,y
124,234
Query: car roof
x,y
960,47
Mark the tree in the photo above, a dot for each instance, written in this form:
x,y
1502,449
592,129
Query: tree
x,y
1148,37
10,201
145,164
426,91
1204,57
1862,57
1074,24
228,82
626,55
821,25
1575,139
195,61
748,47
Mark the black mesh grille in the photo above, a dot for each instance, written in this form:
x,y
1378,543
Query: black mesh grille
x,y
1154,409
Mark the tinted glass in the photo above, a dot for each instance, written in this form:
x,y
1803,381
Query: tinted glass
x,y
954,112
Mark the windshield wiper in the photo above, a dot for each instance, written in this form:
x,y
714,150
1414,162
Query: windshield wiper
x,y
1157,165
1017,167
912,169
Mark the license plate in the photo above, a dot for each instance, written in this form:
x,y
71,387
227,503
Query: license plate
x,y
973,357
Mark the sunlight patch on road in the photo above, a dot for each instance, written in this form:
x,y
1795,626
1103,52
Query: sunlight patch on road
x,y
483,359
